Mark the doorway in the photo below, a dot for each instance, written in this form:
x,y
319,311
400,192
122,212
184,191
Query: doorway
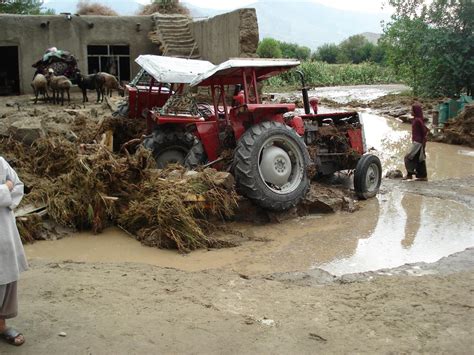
x,y
9,72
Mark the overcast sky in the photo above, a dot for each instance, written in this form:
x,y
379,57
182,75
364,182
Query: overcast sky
x,y
355,5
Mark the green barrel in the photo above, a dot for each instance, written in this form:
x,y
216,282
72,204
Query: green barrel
x,y
443,113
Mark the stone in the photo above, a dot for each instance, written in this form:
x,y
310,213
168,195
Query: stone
x,y
394,174
27,131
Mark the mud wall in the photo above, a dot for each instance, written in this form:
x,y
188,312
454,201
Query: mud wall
x,y
74,35
234,34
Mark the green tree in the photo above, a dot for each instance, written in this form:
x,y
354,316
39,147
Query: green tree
x,y
355,49
269,48
327,53
431,45
293,50
24,7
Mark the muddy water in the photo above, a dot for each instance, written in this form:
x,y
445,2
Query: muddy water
x,y
388,231
390,140
361,93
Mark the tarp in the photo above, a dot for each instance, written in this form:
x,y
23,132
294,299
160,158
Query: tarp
x,y
230,72
173,70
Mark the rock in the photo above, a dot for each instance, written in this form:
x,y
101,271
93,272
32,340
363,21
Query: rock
x,y
394,174
405,119
62,334
349,204
399,111
4,129
27,131
322,199
190,174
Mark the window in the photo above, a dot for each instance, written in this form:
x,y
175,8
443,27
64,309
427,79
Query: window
x,y
112,59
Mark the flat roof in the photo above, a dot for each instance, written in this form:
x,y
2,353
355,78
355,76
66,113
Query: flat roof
x,y
230,72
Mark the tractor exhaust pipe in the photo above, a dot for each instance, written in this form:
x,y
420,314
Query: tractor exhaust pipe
x,y
304,92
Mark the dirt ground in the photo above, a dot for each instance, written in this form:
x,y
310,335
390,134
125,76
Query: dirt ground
x,y
136,309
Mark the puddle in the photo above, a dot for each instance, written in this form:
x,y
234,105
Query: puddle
x,y
391,139
387,231
410,228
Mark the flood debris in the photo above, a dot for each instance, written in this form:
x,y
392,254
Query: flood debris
x,y
459,130
86,170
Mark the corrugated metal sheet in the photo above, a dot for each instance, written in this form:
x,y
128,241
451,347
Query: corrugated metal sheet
x,y
173,70
265,68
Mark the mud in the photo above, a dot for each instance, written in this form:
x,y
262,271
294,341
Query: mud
x,y
135,308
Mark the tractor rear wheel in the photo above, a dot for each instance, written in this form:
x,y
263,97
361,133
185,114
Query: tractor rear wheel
x,y
270,164
169,147
367,176
196,156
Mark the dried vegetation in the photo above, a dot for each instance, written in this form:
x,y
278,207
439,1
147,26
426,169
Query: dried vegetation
x,y
85,186
85,7
164,7
461,129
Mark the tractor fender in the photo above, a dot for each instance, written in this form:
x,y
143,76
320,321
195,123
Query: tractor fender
x,y
208,134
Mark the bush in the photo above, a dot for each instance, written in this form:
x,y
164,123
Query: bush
x,y
269,48
164,7
85,7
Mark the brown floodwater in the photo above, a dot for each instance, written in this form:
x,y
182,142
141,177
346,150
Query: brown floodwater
x,y
393,229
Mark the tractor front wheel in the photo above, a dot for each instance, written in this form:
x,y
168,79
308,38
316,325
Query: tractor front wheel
x,y
196,156
270,164
169,147
367,176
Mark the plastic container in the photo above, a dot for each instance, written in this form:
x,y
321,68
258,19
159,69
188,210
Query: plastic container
x,y
443,111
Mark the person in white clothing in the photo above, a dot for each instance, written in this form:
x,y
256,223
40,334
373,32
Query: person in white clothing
x,y
12,255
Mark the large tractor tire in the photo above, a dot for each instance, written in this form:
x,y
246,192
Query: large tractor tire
x,y
169,146
196,156
367,176
270,164
122,110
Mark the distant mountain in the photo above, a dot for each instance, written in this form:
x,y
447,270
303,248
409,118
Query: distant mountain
x,y
306,23
372,37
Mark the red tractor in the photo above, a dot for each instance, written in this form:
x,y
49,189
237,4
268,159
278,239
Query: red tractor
x,y
276,150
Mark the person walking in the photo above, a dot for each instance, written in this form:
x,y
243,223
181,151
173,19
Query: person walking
x,y
415,159
12,255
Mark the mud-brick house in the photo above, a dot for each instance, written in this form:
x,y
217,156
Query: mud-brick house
x,y
111,43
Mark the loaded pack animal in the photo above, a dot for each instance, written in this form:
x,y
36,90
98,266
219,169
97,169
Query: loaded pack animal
x,y
58,84
90,82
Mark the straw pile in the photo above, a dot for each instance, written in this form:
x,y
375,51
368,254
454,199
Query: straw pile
x,y
89,187
170,208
